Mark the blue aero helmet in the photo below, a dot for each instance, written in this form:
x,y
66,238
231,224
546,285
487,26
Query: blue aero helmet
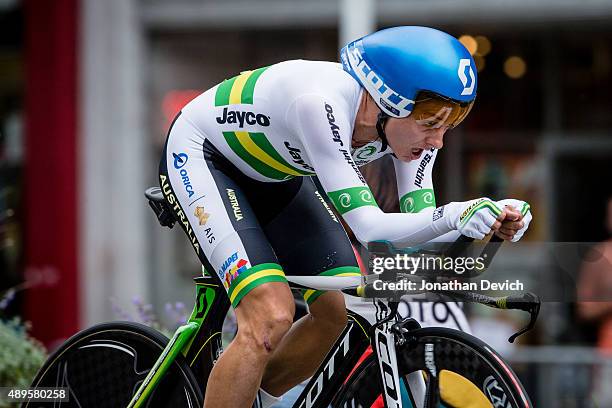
x,y
414,70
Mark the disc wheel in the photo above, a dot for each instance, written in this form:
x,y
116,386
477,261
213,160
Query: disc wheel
x,y
104,365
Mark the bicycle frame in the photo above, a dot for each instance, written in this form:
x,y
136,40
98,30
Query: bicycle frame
x,y
199,340
337,365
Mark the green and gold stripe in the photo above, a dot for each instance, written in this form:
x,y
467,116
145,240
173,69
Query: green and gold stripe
x,y
348,199
310,295
418,200
255,149
526,208
253,277
239,89
477,206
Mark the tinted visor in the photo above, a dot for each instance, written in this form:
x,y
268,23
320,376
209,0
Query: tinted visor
x,y
436,111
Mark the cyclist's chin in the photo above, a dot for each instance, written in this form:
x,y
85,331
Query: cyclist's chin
x,y
405,159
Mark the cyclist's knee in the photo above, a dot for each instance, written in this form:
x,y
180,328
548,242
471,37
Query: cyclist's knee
x,y
330,308
264,317
264,335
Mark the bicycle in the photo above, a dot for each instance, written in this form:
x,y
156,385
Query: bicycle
x,y
124,364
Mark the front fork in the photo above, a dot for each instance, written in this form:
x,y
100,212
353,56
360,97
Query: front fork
x,y
390,335
384,344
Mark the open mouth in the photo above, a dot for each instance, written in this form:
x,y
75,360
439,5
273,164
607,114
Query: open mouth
x,y
415,153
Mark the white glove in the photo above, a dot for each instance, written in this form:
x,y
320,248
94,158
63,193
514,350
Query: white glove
x,y
525,210
472,218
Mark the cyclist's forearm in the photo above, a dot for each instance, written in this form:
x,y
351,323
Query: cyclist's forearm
x,y
402,229
450,236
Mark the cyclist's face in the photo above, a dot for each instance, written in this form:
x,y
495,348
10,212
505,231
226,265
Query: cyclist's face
x,y
408,137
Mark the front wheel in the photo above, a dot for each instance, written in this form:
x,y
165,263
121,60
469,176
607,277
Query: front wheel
x,y
104,365
470,374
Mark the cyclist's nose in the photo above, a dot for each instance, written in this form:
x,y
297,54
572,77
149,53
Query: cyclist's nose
x,y
436,138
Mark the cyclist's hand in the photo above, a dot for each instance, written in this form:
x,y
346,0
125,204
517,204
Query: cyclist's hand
x,y
516,222
476,218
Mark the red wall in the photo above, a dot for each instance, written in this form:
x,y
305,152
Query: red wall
x,y
51,172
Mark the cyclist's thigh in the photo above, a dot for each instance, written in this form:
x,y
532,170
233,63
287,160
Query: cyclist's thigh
x,y
224,232
309,239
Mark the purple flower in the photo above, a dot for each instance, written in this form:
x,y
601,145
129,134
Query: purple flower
x,y
7,298
176,312
145,311
119,311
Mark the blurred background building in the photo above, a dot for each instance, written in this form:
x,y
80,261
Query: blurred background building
x,y
88,89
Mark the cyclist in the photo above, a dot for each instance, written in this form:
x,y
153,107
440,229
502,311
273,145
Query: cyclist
x,y
235,170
